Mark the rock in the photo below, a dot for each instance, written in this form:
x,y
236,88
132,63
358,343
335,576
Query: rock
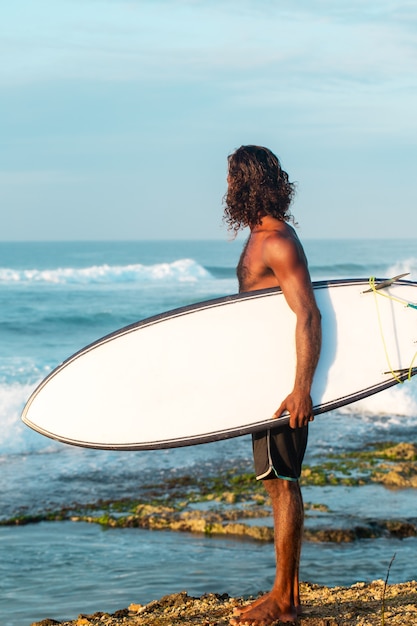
x,y
362,604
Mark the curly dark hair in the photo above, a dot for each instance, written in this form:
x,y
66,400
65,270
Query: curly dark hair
x,y
258,186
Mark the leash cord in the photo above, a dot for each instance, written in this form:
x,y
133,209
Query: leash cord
x,y
376,293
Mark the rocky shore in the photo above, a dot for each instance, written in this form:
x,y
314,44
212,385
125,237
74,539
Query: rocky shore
x,y
234,504
374,604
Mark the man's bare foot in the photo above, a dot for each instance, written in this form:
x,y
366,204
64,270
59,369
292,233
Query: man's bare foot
x,y
240,610
264,612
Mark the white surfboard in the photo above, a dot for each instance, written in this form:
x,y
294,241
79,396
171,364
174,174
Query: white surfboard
x,y
221,368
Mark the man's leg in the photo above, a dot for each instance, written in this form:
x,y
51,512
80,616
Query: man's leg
x,y
283,601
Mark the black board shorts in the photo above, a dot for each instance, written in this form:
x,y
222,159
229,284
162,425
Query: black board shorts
x,y
279,452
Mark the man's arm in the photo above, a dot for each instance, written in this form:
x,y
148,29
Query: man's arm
x,y
285,257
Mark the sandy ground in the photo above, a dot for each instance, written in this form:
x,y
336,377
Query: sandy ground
x,y
360,605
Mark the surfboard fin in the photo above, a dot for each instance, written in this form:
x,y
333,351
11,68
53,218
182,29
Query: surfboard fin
x,y
386,283
405,372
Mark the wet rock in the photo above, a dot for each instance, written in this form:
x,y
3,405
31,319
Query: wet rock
x,y
401,529
401,451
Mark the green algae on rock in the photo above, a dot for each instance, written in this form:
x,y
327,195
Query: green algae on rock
x,y
385,463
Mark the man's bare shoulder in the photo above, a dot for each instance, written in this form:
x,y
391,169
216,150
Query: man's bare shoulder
x,y
282,245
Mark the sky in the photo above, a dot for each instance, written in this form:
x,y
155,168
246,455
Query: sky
x,y
117,116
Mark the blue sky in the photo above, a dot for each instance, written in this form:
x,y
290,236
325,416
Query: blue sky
x,y
118,116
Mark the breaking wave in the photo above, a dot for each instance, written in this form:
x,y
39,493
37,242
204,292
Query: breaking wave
x,y
182,270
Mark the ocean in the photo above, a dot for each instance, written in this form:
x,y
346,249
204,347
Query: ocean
x,y
56,297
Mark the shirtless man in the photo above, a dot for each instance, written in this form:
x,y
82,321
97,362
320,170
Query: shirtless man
x,y
258,196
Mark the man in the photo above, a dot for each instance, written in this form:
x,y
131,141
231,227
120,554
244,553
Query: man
x,y
258,196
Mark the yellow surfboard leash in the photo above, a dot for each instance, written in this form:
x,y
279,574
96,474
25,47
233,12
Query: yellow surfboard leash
x,y
376,288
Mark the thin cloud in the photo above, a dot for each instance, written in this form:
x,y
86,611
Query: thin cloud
x,y
134,41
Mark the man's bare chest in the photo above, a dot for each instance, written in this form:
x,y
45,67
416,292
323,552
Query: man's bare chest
x,y
252,273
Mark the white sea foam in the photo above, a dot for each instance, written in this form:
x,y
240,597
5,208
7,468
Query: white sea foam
x,y
15,437
394,403
405,265
182,270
